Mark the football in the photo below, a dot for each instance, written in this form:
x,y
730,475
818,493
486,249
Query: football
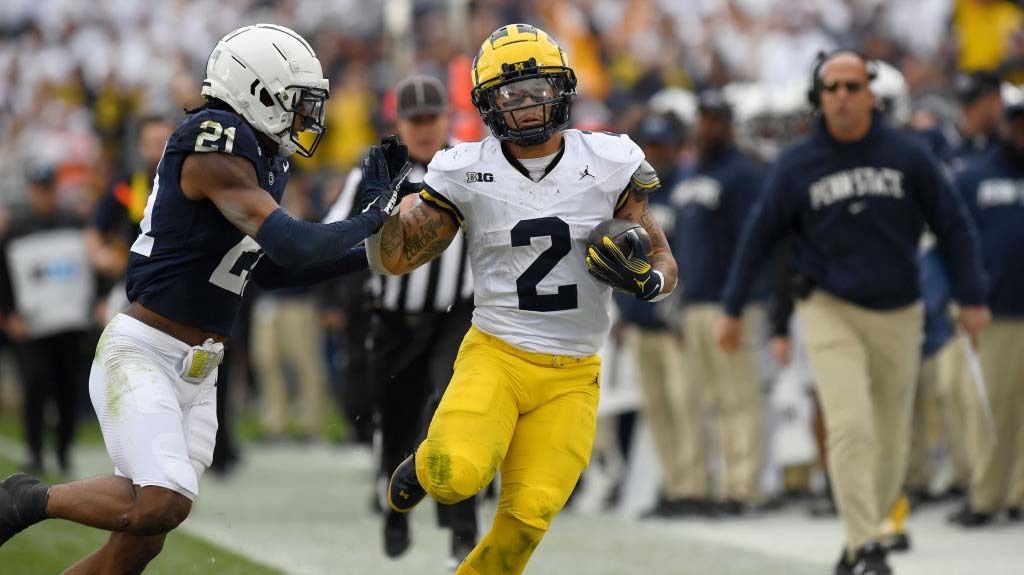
x,y
620,231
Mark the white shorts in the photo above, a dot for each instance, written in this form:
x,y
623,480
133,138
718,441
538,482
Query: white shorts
x,y
158,429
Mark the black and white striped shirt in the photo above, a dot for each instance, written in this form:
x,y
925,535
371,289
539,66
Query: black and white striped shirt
x,y
432,287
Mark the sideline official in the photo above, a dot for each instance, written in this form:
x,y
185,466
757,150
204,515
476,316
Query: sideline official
x,y
417,323
855,195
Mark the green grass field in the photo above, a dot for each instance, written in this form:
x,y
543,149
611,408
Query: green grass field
x,y
53,546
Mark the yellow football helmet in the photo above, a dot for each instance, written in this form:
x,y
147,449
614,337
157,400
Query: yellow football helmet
x,y
519,62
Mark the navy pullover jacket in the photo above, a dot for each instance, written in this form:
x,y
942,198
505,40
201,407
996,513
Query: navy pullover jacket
x,y
712,203
993,188
857,211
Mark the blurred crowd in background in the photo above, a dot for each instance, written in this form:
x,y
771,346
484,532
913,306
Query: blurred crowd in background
x,y
88,89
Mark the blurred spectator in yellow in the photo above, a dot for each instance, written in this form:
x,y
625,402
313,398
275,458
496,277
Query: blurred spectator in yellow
x,y
984,30
350,128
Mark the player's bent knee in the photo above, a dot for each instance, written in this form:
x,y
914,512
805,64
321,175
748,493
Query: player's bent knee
x,y
157,510
452,478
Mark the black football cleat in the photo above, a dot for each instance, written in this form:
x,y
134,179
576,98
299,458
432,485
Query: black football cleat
x,y
967,517
1013,514
396,534
898,542
22,504
405,491
869,560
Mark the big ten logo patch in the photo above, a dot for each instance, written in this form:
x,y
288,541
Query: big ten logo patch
x,y
479,177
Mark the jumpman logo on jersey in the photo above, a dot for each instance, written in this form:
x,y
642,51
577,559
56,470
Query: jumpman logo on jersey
x,y
586,172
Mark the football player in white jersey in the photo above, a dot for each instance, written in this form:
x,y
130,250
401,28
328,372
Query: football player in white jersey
x,y
524,394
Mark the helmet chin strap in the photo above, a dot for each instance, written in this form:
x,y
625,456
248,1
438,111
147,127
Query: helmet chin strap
x,y
285,146
532,140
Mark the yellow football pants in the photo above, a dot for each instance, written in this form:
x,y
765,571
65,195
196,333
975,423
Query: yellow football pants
x,y
532,414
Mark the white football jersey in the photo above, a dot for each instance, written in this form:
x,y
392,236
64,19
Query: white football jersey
x,y
527,240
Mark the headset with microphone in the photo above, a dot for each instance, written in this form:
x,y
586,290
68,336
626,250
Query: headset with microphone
x,y
814,93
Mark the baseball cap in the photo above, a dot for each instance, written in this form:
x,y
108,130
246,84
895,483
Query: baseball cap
x,y
420,94
660,129
970,87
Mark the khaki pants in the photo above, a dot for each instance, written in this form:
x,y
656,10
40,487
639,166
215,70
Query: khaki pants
x,y
925,427
730,388
1001,352
673,412
286,334
865,364
1016,497
956,396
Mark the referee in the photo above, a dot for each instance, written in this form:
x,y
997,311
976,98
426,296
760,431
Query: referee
x,y
855,195
418,321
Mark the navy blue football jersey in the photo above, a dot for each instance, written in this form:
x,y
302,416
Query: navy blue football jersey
x,y
189,263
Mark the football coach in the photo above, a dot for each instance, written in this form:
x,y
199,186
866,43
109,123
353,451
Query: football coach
x,y
855,195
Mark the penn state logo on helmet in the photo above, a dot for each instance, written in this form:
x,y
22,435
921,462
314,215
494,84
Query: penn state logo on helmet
x,y
523,85
270,76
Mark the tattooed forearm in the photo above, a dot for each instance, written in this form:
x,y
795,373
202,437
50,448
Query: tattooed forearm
x,y
661,257
658,239
390,238
421,237
635,209
418,234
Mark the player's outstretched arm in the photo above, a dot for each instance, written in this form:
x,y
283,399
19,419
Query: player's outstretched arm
x,y
230,183
412,237
662,261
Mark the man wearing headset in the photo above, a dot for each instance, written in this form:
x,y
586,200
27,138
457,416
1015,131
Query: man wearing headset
x,y
855,195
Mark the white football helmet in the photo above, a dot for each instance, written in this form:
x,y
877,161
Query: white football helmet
x,y
271,76
893,95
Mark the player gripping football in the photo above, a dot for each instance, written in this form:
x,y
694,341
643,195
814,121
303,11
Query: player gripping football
x,y
524,394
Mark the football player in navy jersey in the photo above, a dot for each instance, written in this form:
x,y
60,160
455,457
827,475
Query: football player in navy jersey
x,y
212,223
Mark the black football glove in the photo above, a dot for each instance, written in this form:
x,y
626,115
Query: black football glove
x,y
631,274
380,186
395,152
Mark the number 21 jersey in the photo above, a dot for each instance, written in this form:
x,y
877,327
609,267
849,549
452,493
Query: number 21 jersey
x,y
527,240
189,263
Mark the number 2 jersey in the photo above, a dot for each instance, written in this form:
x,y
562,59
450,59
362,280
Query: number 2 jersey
x,y
527,240
189,263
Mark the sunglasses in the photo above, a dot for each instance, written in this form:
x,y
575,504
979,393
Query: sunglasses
x,y
851,87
